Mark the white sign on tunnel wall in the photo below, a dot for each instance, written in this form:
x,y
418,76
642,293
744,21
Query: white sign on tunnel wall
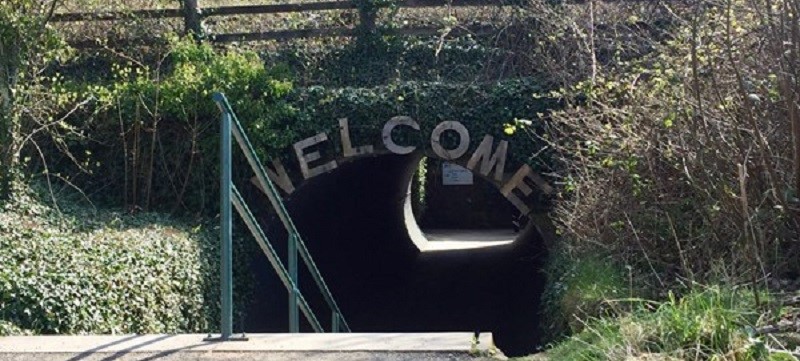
x,y
487,160
455,175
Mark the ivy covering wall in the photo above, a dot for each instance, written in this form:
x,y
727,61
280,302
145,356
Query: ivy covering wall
x,y
158,130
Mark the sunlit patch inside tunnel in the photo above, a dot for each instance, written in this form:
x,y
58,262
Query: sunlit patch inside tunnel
x,y
448,207
354,221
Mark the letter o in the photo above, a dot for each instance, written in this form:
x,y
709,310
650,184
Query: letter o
x,y
463,140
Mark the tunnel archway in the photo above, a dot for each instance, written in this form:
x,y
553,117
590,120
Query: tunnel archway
x,y
450,141
354,221
352,210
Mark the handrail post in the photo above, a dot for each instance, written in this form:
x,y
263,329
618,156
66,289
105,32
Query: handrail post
x,y
226,229
294,315
335,322
226,226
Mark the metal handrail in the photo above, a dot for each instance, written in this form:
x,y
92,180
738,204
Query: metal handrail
x,y
231,196
266,247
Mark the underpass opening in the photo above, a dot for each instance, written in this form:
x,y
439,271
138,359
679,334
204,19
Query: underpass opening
x,y
449,208
355,222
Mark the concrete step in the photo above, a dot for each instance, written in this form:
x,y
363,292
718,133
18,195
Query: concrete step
x,y
261,347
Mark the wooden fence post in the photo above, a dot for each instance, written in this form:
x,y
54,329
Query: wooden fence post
x,y
367,13
193,20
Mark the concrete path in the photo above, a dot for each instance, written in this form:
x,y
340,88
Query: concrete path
x,y
353,346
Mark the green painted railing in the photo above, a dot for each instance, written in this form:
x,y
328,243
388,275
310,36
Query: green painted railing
x,y
232,197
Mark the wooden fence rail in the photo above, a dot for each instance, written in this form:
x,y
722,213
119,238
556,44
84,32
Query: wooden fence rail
x,y
194,15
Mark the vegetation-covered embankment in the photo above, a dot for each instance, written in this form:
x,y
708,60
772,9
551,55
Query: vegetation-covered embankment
x,y
73,269
679,170
675,148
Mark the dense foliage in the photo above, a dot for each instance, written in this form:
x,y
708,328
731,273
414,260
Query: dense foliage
x,y
28,47
677,148
483,109
83,271
674,144
678,162
389,59
155,129
705,324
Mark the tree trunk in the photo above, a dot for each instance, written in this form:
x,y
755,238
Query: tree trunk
x,y
6,130
5,176
9,144
9,123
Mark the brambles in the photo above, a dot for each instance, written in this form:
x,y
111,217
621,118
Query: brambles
x,y
675,149
675,158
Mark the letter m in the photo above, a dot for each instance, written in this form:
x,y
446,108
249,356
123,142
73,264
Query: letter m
x,y
489,160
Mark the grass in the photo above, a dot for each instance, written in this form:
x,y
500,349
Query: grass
x,y
579,286
593,310
708,323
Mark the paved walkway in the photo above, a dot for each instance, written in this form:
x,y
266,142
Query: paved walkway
x,y
452,239
350,346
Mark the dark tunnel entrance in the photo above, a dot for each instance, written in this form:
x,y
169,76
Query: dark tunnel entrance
x,y
354,223
456,209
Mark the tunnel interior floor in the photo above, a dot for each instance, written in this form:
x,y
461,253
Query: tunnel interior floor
x,y
454,239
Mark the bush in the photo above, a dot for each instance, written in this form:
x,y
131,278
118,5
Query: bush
x,y
107,272
8,329
28,48
483,109
154,130
388,59
675,151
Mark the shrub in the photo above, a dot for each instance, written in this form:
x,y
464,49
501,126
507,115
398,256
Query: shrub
x,y
107,272
482,108
154,130
675,151
28,48
386,60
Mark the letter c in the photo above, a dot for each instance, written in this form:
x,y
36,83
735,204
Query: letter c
x,y
387,134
